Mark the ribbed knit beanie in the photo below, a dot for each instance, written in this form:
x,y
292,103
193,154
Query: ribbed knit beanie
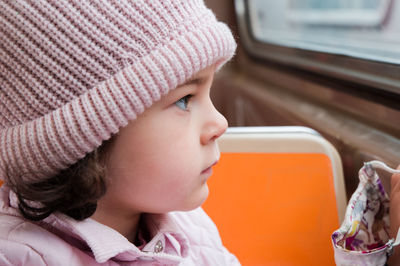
x,y
73,72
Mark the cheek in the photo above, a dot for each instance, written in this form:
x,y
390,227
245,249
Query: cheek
x,y
160,193
161,180
158,170
173,154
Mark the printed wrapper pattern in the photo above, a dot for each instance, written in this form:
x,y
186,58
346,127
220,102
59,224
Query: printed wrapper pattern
x,y
363,238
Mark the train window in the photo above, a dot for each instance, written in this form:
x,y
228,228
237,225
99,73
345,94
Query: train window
x,y
357,40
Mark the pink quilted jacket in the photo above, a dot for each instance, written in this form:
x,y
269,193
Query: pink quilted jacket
x,y
179,238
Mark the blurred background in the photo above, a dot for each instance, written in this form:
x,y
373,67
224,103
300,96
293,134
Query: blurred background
x,y
332,65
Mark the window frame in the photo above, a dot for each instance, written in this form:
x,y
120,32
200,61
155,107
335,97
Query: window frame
x,y
341,17
372,74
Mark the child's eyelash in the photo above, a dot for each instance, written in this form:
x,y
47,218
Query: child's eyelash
x,y
183,102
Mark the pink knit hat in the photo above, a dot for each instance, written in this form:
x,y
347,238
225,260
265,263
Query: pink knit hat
x,y
73,72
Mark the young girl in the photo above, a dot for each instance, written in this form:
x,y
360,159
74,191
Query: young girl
x,y
107,132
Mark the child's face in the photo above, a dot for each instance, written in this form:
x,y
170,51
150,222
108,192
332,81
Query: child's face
x,y
161,161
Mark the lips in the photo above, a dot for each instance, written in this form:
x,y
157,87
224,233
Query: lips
x,y
209,169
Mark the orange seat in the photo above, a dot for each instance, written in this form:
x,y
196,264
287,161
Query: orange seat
x,y
277,195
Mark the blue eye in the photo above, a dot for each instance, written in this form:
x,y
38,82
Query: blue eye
x,y
183,102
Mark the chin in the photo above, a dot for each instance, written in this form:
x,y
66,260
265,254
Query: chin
x,y
200,200
195,201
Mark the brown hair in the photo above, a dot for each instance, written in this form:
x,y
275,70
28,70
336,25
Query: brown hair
x,y
73,191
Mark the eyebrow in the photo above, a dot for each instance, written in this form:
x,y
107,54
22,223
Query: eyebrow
x,y
194,80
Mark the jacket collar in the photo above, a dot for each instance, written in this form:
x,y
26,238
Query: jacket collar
x,y
167,245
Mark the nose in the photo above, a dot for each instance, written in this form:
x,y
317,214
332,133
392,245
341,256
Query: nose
x,y
215,125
